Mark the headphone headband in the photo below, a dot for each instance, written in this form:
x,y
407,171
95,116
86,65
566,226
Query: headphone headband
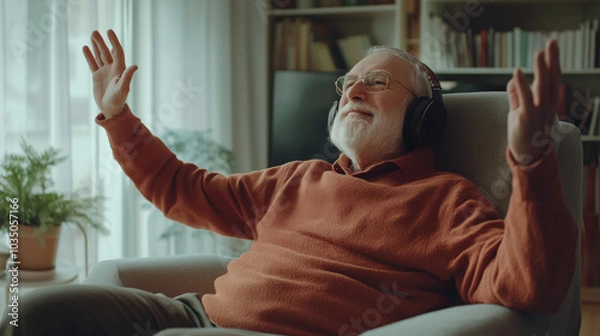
x,y
436,87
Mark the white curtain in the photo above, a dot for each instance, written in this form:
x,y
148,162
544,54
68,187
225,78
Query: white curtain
x,y
202,67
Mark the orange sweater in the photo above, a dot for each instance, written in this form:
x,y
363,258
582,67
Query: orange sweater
x,y
339,253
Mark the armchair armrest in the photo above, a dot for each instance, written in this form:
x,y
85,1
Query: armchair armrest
x,y
171,276
468,320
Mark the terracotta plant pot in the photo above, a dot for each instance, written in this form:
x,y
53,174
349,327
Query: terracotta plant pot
x,y
32,255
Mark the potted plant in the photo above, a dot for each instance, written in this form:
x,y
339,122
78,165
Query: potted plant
x,y
32,214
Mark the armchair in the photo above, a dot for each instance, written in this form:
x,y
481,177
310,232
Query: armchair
x,y
478,154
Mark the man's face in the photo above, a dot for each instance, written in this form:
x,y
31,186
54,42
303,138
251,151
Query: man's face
x,y
368,126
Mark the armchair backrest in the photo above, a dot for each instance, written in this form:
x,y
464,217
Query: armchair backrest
x,y
474,145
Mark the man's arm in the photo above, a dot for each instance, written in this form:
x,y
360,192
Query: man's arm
x,y
183,192
528,261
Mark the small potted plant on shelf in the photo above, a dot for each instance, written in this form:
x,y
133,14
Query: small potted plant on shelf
x,y
32,214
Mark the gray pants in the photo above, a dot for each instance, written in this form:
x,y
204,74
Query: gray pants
x,y
103,310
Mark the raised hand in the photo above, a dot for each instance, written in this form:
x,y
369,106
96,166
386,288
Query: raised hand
x,y
111,78
533,110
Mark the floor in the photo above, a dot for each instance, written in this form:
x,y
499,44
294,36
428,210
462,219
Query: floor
x,y
590,312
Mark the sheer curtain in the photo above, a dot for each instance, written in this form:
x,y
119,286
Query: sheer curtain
x,y
192,62
202,67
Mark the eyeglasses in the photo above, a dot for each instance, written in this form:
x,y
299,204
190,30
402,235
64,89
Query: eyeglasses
x,y
374,82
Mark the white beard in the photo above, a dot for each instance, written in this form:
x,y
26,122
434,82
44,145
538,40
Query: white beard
x,y
367,139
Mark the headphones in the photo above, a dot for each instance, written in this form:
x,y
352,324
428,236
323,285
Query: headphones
x,y
425,118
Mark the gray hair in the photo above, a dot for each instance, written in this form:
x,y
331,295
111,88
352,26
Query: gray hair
x,y
419,81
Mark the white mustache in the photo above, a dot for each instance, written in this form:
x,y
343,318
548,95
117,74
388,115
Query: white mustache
x,y
358,106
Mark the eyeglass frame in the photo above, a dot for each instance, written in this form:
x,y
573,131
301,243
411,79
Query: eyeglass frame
x,y
340,92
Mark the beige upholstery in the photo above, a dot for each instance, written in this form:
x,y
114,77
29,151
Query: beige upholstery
x,y
473,145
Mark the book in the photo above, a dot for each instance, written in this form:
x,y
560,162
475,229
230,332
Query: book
x,y
483,49
491,53
470,52
524,49
562,46
510,50
454,49
303,45
322,59
478,50
593,41
353,48
498,49
278,51
578,48
290,44
584,124
570,52
562,108
516,37
464,55
593,128
585,62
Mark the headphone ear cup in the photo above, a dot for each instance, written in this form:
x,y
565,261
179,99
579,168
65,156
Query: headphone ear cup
x,y
433,123
424,122
411,130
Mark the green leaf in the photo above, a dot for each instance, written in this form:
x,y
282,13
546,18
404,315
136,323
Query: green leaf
x,y
26,177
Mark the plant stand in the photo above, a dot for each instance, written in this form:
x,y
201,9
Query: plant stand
x,y
64,273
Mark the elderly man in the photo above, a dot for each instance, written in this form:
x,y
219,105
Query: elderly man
x,y
379,230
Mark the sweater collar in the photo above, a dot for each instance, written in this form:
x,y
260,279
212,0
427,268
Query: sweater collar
x,y
418,161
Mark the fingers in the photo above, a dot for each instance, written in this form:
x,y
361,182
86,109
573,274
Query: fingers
x,y
553,59
540,82
89,57
513,97
101,50
522,88
117,49
554,71
101,55
97,55
126,77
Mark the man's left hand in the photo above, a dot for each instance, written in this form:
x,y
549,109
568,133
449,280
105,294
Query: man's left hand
x,y
533,110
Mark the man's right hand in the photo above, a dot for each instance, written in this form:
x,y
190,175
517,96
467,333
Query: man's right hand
x,y
111,78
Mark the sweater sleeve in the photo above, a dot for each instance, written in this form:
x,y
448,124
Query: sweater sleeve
x,y
526,261
228,205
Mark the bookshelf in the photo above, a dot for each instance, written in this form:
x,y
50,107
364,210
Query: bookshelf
x,y
293,31
480,42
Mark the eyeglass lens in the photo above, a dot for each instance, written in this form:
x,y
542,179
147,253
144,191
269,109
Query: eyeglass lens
x,y
373,82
